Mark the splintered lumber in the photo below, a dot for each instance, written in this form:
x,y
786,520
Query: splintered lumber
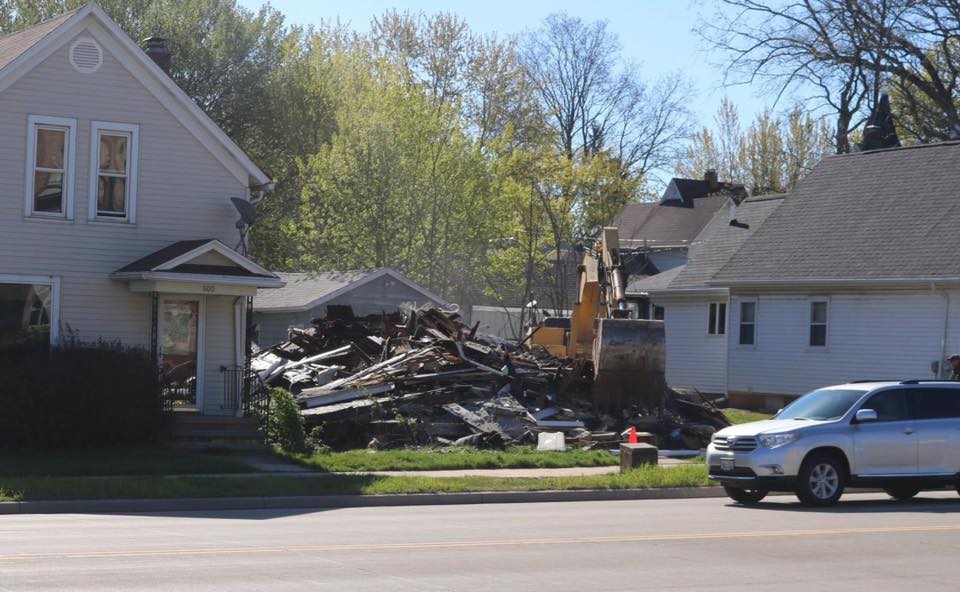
x,y
476,422
317,397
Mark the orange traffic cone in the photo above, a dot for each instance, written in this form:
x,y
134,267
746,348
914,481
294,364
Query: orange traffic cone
x,y
633,435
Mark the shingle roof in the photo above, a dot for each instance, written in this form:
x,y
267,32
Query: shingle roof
x,y
150,262
165,254
302,289
659,281
13,45
883,214
719,241
673,222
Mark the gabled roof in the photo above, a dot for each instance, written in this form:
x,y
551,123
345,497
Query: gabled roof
x,y
713,247
21,51
190,260
880,216
304,291
685,208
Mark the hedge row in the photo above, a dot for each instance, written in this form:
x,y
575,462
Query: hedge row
x,y
81,395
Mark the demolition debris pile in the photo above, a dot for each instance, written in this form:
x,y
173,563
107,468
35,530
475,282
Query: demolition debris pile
x,y
387,382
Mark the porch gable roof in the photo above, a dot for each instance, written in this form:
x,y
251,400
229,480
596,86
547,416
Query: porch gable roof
x,y
204,260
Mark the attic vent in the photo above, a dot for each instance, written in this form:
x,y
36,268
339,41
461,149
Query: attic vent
x,y
86,56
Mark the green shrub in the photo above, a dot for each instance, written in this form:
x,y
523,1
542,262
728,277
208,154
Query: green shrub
x,y
285,426
78,396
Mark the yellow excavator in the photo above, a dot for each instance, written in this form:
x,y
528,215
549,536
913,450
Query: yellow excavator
x,y
627,354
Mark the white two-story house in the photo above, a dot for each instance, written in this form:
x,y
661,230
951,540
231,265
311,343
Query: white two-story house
x,y
115,214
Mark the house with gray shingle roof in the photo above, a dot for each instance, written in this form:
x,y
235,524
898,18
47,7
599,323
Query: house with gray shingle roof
x,y
657,236
115,217
855,275
306,296
695,312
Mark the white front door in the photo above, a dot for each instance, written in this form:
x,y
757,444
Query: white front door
x,y
181,322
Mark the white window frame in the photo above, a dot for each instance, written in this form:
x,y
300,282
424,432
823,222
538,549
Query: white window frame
x,y
46,280
35,122
826,324
715,329
133,157
740,323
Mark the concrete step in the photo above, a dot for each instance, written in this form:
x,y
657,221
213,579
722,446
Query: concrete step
x,y
212,446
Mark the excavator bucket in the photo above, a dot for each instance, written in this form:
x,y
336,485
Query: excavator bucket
x,y
628,364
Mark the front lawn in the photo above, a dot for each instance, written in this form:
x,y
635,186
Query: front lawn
x,y
457,457
115,461
72,488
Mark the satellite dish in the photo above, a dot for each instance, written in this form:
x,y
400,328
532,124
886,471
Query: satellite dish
x,y
247,211
248,217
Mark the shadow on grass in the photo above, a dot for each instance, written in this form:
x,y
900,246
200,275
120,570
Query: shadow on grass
x,y
96,462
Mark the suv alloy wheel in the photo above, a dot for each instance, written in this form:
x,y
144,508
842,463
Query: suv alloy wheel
x,y
821,480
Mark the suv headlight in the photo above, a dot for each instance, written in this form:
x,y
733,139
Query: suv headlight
x,y
777,440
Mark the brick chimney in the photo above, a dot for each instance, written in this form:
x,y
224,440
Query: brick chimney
x,y
158,52
711,177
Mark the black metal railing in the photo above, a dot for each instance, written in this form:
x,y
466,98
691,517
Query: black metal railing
x,y
244,391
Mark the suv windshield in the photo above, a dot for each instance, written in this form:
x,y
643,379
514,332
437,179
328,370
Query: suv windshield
x,y
821,405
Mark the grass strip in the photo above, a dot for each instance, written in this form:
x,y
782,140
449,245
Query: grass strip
x,y
456,457
115,461
739,416
72,488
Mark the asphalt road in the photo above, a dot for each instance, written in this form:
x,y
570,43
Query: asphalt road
x,y
867,543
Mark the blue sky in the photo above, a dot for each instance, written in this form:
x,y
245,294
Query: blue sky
x,y
657,34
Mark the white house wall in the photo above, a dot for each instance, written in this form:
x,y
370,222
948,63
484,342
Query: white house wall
x,y
870,335
183,193
694,358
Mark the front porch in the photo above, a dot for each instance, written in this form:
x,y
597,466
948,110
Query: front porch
x,y
201,309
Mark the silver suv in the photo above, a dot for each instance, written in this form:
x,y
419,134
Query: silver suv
x,y
899,436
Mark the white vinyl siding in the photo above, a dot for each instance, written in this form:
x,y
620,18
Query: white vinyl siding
x,y
871,335
51,163
114,156
693,359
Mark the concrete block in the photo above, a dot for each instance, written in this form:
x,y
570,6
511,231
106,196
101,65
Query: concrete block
x,y
635,455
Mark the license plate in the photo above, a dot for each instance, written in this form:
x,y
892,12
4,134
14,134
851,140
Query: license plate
x,y
726,464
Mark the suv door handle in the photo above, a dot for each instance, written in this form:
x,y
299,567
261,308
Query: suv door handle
x,y
908,431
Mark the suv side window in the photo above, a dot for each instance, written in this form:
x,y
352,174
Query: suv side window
x,y
890,405
936,403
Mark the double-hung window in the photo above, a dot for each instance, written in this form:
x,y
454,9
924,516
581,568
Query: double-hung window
x,y
717,321
113,166
819,315
51,155
748,322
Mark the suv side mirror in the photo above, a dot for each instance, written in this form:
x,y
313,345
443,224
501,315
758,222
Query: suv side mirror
x,y
866,415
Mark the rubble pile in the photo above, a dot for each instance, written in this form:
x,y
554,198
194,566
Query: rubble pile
x,y
388,381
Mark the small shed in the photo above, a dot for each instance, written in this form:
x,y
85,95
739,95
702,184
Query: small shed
x,y
307,295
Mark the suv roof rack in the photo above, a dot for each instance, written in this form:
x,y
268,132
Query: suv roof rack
x,y
864,380
921,380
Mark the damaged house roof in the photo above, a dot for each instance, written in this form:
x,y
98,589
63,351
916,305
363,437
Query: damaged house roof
x,y
880,216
